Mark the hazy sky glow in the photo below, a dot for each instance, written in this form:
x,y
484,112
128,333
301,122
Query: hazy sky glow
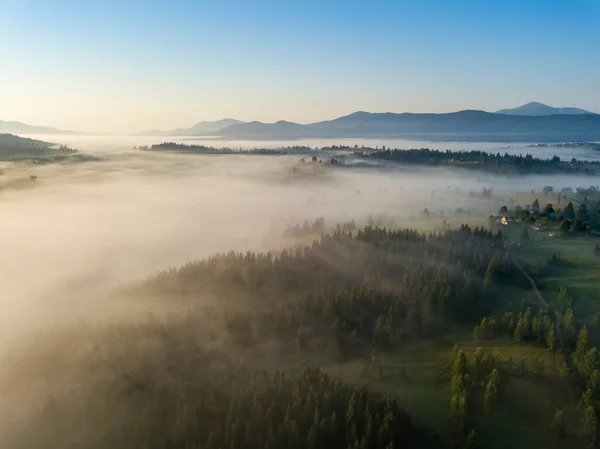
x,y
128,66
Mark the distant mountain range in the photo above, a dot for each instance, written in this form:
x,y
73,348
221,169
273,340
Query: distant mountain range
x,y
23,128
455,126
538,109
532,122
198,128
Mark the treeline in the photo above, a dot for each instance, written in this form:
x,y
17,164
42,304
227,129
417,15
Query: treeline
x,y
591,145
317,227
204,149
529,326
482,160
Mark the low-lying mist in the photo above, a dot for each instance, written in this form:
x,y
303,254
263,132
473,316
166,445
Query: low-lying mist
x,y
77,234
84,228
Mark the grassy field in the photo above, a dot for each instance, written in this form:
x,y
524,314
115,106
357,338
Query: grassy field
x,y
524,418
580,274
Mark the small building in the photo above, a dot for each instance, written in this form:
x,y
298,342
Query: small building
x,y
506,221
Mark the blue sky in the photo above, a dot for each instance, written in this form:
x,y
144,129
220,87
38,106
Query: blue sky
x,y
134,65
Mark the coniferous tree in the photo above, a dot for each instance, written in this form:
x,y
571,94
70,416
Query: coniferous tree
x,y
590,424
569,211
559,425
492,391
471,441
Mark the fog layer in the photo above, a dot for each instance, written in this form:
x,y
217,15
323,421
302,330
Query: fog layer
x,y
84,228
80,231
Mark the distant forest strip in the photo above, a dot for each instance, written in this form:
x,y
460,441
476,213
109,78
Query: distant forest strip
x,y
481,160
477,160
591,145
204,149
289,150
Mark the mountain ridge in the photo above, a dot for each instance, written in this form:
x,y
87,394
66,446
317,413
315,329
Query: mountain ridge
x,y
532,122
461,125
534,108
199,128
13,127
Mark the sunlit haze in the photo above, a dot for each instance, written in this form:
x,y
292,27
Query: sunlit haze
x,y
299,224
131,66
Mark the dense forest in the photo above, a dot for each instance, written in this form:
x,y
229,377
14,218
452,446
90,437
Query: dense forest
x,y
196,381
377,287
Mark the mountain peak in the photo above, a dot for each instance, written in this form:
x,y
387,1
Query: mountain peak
x,y
535,108
202,127
359,114
23,128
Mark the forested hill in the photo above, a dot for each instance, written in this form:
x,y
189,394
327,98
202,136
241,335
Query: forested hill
x,y
21,149
15,148
11,145
379,286
177,383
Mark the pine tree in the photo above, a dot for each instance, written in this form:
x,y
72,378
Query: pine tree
x,y
567,325
459,364
471,442
520,330
559,425
581,346
491,391
594,381
589,362
590,424
493,270
459,409
550,338
569,211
